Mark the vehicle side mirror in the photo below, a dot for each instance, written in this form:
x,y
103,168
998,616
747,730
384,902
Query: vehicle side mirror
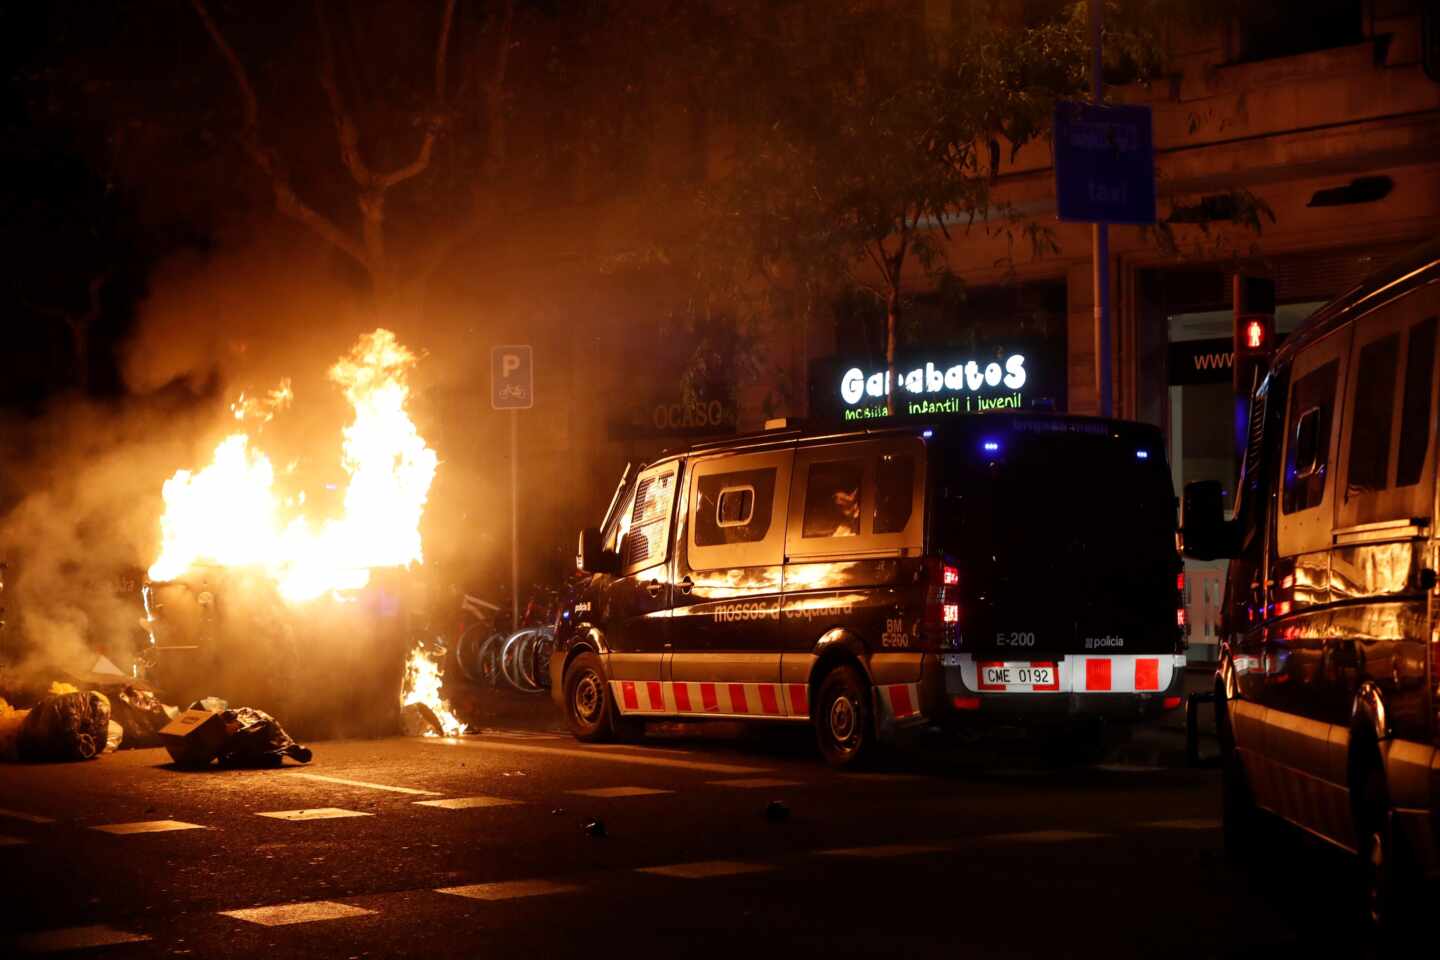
x,y
1206,533
592,557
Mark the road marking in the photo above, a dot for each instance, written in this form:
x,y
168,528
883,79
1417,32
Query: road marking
x,y
1183,824
466,803
369,786
148,826
315,813
594,755
885,850
610,793
756,782
12,841
707,868
27,817
1043,836
76,938
289,913
886,777
509,890
1128,768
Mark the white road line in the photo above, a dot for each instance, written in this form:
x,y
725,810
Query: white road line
x,y
1183,824
593,755
27,817
1042,836
466,803
1127,768
611,793
885,850
370,786
509,890
12,841
886,777
756,782
707,868
148,826
289,913
75,938
315,813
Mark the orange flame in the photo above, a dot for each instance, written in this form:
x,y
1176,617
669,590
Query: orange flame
x,y
422,685
229,513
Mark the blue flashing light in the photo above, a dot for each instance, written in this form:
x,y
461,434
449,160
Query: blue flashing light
x,y
991,446
1142,454
927,434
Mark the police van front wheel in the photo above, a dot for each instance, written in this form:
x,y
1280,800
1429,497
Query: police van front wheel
x,y
844,727
590,711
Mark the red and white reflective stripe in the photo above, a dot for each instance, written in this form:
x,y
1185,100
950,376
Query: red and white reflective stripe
x,y
1120,673
711,699
900,700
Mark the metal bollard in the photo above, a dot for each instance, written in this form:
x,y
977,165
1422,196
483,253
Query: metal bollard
x,y
1192,730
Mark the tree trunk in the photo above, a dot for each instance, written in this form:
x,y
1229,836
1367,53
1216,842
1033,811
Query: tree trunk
x,y
892,322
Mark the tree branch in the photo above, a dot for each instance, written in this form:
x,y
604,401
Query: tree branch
x,y
422,159
494,96
286,200
346,133
442,50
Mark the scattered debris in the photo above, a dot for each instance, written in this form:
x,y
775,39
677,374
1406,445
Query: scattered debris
x,y
777,812
419,720
66,726
194,738
557,811
238,737
595,827
141,715
114,734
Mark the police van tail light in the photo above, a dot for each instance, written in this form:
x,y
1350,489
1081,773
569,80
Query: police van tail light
x,y
941,621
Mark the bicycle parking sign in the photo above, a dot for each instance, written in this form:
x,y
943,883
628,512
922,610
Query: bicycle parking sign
x,y
512,378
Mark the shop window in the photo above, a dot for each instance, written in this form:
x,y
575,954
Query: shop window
x,y
734,507
1312,404
647,541
832,499
894,492
1374,411
1288,27
1415,406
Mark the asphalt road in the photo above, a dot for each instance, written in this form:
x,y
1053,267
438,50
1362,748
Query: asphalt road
x,y
477,846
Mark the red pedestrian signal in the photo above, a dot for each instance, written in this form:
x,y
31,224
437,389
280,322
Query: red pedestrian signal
x,y
1255,335
1254,306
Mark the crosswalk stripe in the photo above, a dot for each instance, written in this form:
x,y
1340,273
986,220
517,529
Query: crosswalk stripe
x,y
1183,824
508,889
466,803
27,817
369,786
757,782
147,826
315,813
610,793
707,868
288,913
76,938
589,754
12,841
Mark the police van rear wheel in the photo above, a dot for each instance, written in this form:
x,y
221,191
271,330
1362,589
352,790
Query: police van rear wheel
x,y
589,708
844,727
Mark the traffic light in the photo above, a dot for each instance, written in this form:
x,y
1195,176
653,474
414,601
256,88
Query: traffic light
x,y
1254,330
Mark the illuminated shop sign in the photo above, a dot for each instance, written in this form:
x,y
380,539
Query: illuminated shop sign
x,y
967,387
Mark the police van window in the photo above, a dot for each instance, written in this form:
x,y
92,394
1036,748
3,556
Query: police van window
x,y
894,492
832,499
647,541
1415,409
1374,411
734,507
1312,404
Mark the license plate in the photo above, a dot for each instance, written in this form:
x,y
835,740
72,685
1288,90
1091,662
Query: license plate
x,y
1018,676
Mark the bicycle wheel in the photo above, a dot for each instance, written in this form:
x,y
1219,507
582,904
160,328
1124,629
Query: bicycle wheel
x,y
512,658
489,658
468,654
540,658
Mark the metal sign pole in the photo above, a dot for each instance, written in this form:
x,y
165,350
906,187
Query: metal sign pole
x,y
1100,235
514,521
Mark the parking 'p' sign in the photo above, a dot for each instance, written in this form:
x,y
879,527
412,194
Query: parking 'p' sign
x,y
512,378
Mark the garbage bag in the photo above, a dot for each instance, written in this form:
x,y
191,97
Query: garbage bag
x,y
213,704
256,739
114,734
10,722
67,726
141,715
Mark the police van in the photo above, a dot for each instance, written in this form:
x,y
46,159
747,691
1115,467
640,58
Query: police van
x,y
1326,692
868,582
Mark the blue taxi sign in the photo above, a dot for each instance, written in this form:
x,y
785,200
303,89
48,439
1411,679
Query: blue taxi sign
x,y
1104,163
